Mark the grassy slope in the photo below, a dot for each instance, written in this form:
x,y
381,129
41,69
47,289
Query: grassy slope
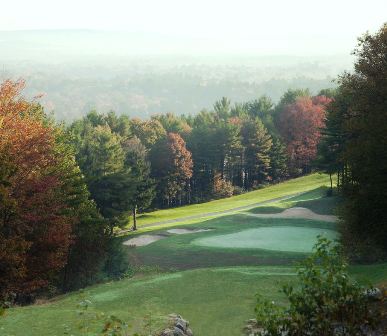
x,y
315,200
279,190
217,301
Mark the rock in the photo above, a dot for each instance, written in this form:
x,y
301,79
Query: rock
x,y
178,332
374,294
178,327
181,324
167,332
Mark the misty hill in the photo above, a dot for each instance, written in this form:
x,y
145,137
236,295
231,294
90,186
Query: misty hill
x,y
142,74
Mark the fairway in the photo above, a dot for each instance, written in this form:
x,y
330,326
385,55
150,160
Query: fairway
x,y
202,296
284,238
165,217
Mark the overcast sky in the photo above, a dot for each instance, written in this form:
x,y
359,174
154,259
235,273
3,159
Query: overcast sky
x,y
270,26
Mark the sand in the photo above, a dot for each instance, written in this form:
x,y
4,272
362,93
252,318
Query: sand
x,y
143,240
297,212
186,231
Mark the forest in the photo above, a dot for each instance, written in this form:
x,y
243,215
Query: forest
x,y
103,167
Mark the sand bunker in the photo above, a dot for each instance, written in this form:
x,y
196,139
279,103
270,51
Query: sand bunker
x,y
297,212
143,240
186,231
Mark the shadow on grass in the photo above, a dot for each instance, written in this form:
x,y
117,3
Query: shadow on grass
x,y
315,200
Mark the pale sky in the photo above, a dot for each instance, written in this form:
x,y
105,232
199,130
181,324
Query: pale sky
x,y
277,25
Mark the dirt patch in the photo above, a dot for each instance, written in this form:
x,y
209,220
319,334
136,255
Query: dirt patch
x,y
297,212
143,240
186,231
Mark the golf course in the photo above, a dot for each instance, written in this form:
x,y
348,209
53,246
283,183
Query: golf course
x,y
206,262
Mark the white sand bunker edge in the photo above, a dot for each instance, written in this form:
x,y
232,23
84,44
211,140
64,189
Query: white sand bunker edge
x,y
186,231
143,240
297,212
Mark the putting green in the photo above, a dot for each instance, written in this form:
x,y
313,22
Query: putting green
x,y
279,238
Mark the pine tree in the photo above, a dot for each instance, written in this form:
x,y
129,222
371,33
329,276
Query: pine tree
x,y
257,143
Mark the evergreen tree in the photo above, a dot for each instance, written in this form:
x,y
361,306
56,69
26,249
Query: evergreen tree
x,y
257,143
278,161
142,185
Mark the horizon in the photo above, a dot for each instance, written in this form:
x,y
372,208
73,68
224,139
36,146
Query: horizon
x,y
200,28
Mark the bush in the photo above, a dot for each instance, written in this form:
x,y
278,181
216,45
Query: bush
x,y
117,262
327,301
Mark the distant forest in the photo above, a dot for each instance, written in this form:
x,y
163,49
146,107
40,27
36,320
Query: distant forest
x,y
72,84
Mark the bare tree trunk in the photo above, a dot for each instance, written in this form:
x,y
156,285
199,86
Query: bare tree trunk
x,y
135,218
330,177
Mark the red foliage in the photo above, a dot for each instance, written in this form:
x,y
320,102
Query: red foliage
x,y
38,218
300,126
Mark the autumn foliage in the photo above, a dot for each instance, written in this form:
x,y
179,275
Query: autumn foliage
x,y
300,125
172,167
35,224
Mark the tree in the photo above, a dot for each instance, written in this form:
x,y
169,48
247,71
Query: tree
x,y
100,153
142,185
357,125
149,131
173,124
222,108
263,108
172,169
88,250
300,126
257,143
35,223
13,247
278,161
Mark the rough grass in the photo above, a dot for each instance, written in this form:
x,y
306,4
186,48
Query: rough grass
x,y
217,301
290,187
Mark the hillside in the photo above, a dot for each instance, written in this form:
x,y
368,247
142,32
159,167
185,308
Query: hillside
x,y
191,274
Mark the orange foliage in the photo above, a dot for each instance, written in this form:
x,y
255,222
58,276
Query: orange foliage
x,y
38,222
300,126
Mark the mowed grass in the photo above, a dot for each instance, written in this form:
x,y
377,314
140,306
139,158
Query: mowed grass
x,y
315,200
182,252
216,301
290,187
283,238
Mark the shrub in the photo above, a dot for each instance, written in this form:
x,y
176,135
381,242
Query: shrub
x,y
327,301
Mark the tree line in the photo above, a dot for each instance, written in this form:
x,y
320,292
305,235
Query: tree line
x,y
354,146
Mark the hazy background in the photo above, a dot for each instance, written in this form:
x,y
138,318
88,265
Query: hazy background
x,y
145,57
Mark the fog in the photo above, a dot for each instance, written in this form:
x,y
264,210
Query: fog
x,y
145,57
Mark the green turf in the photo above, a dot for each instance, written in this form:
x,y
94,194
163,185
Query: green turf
x,y
315,200
179,251
283,238
290,187
217,301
